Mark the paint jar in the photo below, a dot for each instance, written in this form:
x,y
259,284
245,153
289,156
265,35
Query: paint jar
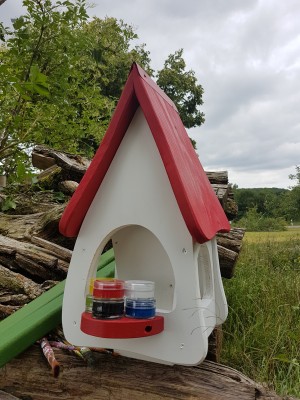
x,y
89,297
108,299
139,299
89,303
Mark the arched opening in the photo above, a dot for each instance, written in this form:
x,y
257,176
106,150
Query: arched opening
x,y
139,255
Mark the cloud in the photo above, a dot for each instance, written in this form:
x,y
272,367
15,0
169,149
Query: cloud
x,y
246,55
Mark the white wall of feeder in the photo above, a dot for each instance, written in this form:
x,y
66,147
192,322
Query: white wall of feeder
x,y
135,207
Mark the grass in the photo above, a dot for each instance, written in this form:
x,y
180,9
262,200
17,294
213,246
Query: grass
x,y
262,332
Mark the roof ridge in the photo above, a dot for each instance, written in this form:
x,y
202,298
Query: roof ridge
x,y
147,79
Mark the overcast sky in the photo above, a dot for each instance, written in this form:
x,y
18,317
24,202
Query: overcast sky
x,y
246,55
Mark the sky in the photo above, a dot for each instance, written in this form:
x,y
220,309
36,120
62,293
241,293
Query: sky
x,y
246,56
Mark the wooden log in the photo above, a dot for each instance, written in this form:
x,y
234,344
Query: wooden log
x,y
230,207
18,226
43,225
61,252
31,268
118,378
215,344
222,193
30,251
41,161
22,227
227,259
229,247
35,262
50,177
7,396
6,310
68,187
219,177
13,299
73,166
15,283
232,240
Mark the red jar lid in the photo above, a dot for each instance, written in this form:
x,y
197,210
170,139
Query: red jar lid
x,y
108,289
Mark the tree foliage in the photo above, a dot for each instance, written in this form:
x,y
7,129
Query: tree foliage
x,y
293,199
271,202
253,221
181,86
60,79
296,176
38,79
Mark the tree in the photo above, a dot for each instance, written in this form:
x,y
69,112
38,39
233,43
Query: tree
x,y
296,176
293,199
37,63
181,86
253,221
61,77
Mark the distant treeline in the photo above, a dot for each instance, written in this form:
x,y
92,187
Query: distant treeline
x,y
269,202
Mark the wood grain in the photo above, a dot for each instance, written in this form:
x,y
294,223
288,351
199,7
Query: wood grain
x,y
119,378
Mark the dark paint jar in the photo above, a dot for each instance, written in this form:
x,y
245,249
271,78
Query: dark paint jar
x,y
108,299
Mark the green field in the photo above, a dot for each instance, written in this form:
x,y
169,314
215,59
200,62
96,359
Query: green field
x,y
262,332
290,233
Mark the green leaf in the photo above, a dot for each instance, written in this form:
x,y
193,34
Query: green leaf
x,y
41,89
8,204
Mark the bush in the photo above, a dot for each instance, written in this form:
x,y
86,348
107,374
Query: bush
x,y
253,221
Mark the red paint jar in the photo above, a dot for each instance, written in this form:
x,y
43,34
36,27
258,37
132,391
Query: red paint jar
x,y
108,298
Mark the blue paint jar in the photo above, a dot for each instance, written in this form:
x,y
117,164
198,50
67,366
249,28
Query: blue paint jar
x,y
139,299
140,308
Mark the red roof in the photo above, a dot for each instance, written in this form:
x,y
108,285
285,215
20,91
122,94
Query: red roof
x,y
196,199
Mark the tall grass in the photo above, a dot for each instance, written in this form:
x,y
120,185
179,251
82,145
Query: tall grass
x,y
262,332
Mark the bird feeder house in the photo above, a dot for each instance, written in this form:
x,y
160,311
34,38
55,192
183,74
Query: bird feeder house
x,y
146,191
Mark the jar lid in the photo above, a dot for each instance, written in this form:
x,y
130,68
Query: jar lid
x,y
108,288
139,289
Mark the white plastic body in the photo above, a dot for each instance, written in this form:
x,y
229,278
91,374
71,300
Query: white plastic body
x,y
136,208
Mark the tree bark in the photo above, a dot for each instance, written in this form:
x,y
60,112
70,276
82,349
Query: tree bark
x,y
115,377
227,259
61,252
220,177
22,227
232,240
37,263
14,284
73,166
